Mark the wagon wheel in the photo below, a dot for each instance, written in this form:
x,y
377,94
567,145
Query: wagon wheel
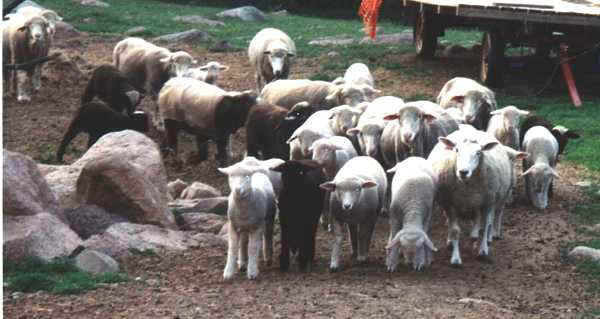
x,y
492,58
424,35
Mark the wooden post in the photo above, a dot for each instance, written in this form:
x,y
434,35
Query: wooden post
x,y
564,63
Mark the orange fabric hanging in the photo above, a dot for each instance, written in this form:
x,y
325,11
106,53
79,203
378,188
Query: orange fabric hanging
x,y
369,11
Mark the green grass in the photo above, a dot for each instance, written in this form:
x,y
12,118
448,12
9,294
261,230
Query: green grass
x,y
59,276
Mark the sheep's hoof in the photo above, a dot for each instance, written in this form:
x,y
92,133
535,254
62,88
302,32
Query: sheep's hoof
x,y
252,276
228,277
456,262
333,269
391,269
242,268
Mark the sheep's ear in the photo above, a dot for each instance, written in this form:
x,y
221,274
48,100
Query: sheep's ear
x,y
203,68
309,165
496,112
390,117
291,54
329,186
554,173
293,137
134,97
371,90
225,170
521,155
279,168
23,28
449,144
368,184
338,81
356,112
571,134
165,59
335,96
223,67
332,114
267,52
352,131
489,145
523,112
300,106
393,169
458,99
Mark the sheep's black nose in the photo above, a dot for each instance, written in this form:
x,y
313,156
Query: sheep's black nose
x,y
463,173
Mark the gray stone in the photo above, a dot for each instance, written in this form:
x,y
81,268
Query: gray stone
x,y
88,220
192,35
394,38
202,222
280,13
198,19
135,30
332,40
581,253
333,54
215,205
176,187
121,238
247,13
43,236
222,46
24,189
96,262
200,190
94,3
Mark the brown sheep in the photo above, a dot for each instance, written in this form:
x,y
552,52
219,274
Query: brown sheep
x,y
112,87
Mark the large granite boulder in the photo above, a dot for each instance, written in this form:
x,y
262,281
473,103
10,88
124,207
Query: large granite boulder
x,y
96,262
176,187
200,190
88,220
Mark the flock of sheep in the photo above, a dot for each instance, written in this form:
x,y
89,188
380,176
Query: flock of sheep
x,y
335,151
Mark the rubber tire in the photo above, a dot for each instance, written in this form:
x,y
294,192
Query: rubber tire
x,y
493,64
424,36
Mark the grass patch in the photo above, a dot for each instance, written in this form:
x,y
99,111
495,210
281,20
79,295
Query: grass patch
x,y
60,276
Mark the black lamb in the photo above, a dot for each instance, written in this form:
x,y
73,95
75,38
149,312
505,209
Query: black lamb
x,y
113,88
561,133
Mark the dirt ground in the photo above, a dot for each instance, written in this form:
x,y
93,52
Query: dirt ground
x,y
526,277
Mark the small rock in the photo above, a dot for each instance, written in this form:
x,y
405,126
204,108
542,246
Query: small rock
x,y
200,190
198,19
89,20
202,222
152,282
584,184
333,54
280,13
581,253
192,35
395,38
94,3
176,187
247,13
65,30
135,30
222,46
16,295
335,40
96,262
215,205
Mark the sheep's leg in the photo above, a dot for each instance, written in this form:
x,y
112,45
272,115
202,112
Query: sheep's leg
x,y
170,140
202,145
37,78
338,238
284,255
253,246
353,228
365,233
222,147
232,251
268,240
488,215
258,83
243,251
392,254
497,229
23,84
453,237
325,215
309,249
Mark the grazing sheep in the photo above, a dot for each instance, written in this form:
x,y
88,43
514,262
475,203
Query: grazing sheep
x,y
475,100
413,190
300,203
357,198
251,213
24,39
97,119
113,88
371,124
208,73
538,168
561,133
504,125
270,51
420,128
474,177
203,110
268,127
320,94
148,66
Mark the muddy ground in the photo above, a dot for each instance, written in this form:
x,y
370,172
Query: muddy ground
x,y
526,277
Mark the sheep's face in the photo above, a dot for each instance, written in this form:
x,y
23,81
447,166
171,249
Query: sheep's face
x,y
369,136
323,152
239,179
306,138
562,135
295,170
510,117
343,118
178,63
278,58
36,29
474,102
348,191
52,18
469,155
350,94
213,69
539,178
415,246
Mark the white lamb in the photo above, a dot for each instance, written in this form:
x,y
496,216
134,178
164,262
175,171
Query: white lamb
x,y
538,168
251,214
504,125
208,73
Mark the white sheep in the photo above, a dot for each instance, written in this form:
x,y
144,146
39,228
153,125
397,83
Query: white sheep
x,y
251,212
208,73
356,73
475,100
539,167
504,125
413,190
265,166
474,177
320,94
50,15
357,198
270,51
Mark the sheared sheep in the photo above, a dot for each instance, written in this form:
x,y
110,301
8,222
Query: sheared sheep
x,y
147,66
539,167
413,190
97,119
474,177
208,73
357,198
268,127
113,88
251,213
561,133
420,127
475,100
320,94
504,125
270,53
300,203
203,110
24,39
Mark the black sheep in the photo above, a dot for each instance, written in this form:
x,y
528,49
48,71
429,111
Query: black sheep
x,y
113,88
561,133
269,126
300,203
97,119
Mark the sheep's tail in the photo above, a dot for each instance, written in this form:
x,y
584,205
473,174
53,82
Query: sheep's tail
x,y
71,133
